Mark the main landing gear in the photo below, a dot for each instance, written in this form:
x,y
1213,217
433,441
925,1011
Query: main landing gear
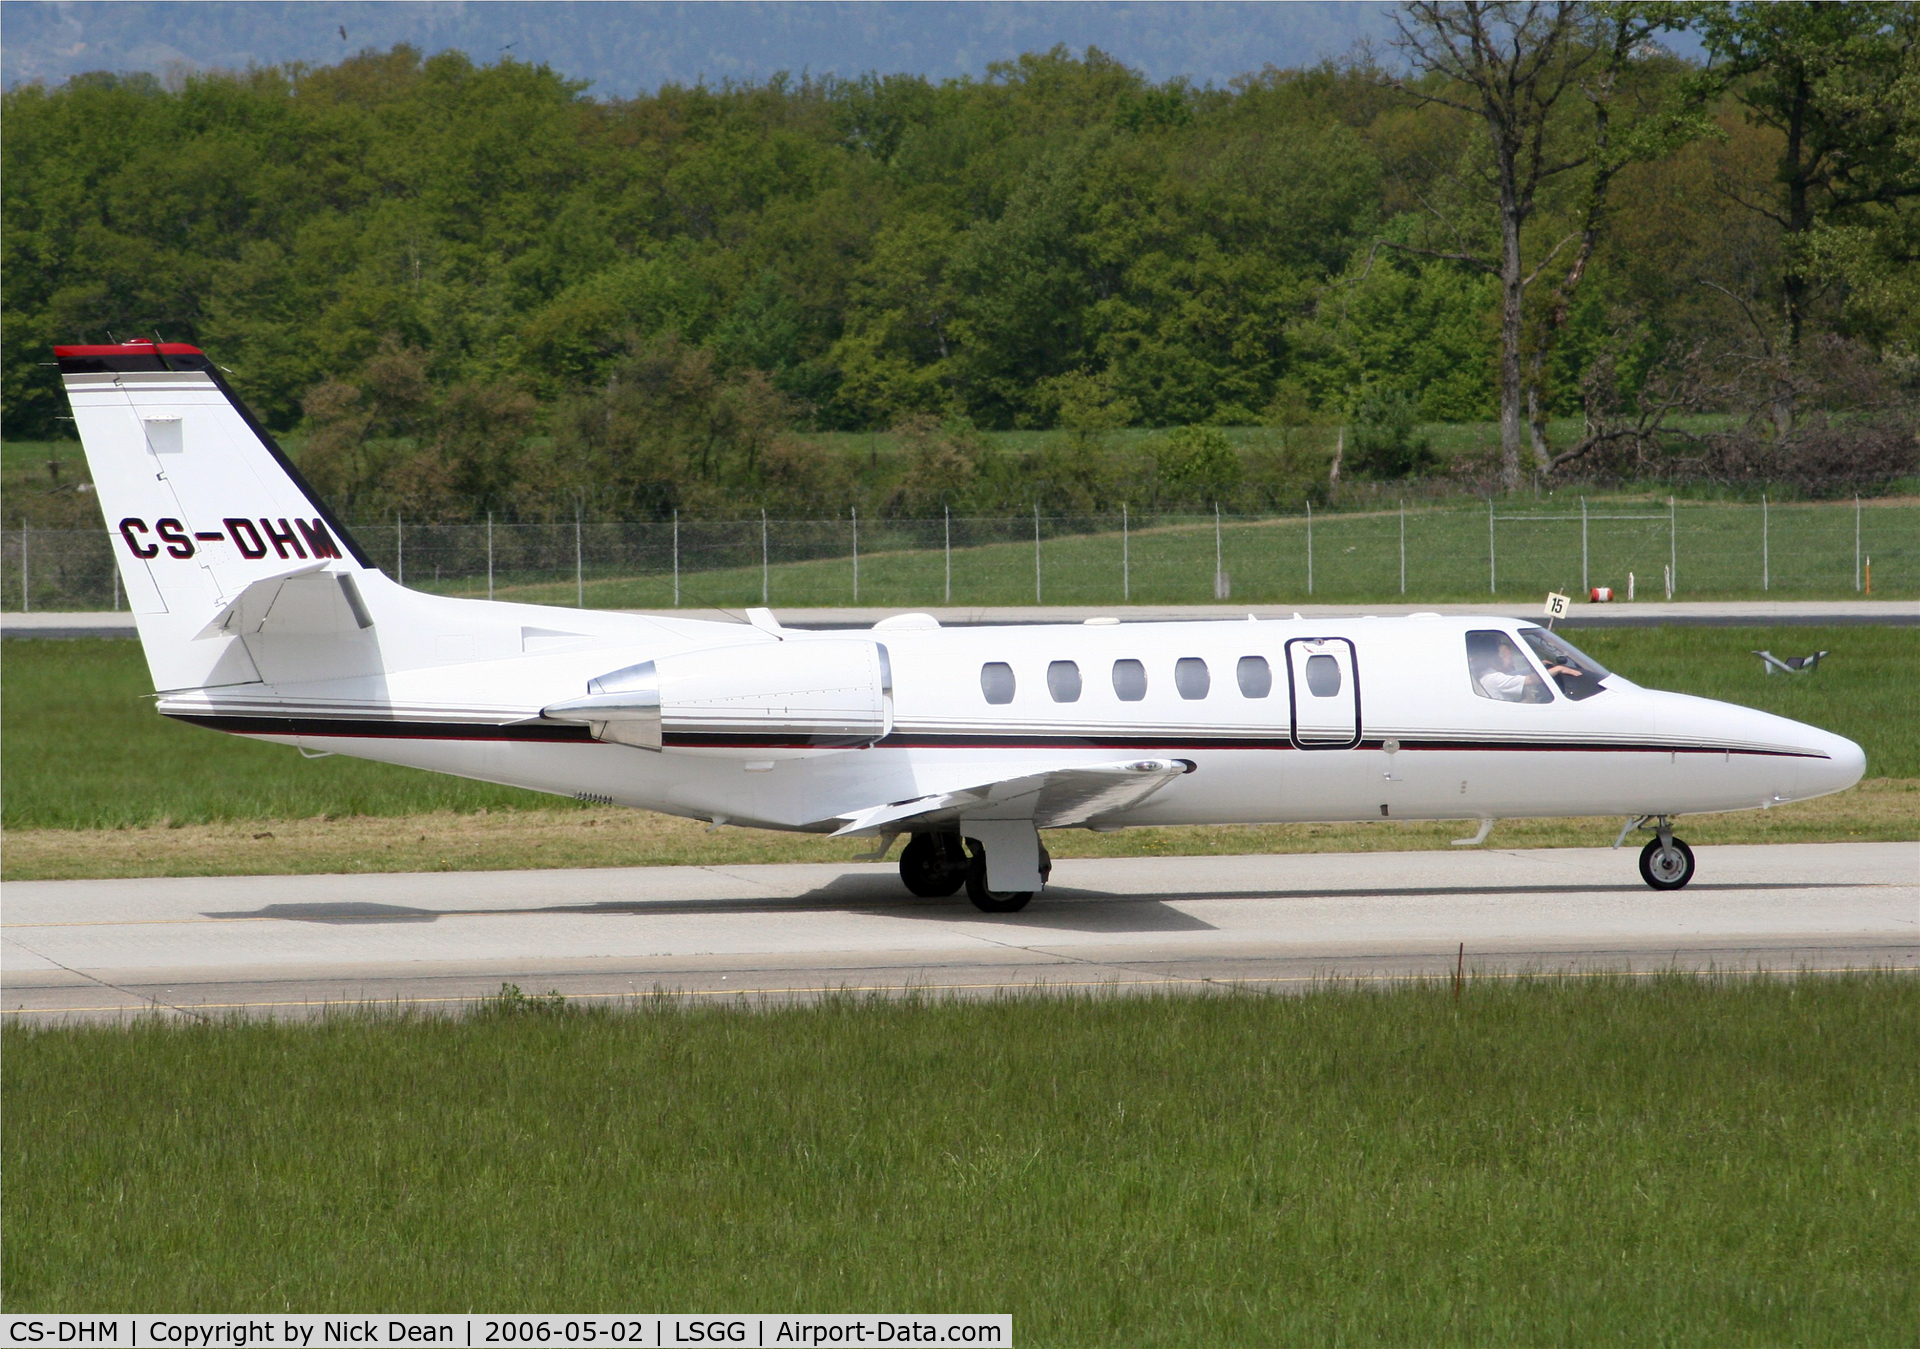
x,y
1666,863
934,866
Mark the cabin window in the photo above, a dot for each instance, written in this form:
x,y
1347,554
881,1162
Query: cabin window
x,y
1497,670
1129,680
1323,676
996,681
1190,678
1063,681
1577,673
1256,679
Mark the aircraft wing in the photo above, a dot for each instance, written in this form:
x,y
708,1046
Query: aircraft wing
x,y
1063,796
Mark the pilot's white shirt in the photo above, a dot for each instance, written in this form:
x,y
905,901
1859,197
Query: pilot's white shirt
x,y
1508,688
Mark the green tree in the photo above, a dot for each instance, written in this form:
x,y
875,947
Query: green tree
x,y
1840,86
1195,465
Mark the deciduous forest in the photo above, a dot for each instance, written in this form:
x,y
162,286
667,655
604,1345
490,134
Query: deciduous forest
x,y
459,287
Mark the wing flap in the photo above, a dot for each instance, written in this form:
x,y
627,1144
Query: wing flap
x,y
1052,800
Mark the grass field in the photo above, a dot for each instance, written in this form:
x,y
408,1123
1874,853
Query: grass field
x,y
1807,551
1663,1161
93,783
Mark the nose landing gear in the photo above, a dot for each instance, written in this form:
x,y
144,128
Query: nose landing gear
x,y
1666,863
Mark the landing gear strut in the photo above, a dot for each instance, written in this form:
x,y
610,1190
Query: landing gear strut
x,y
934,865
1666,863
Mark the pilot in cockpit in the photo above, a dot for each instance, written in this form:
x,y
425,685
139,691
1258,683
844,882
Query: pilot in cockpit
x,y
1500,672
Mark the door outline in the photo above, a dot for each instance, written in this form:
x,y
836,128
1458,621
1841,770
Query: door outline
x,y
1293,694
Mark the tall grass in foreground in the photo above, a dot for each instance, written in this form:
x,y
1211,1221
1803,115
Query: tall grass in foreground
x,y
1669,1160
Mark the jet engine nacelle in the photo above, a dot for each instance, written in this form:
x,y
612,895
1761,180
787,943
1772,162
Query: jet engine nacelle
x,y
826,693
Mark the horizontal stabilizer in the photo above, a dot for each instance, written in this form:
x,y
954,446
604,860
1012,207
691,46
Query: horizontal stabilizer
x,y
1052,800
307,601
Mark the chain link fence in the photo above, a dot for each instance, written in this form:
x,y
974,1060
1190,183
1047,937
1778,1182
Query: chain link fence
x,y
1643,549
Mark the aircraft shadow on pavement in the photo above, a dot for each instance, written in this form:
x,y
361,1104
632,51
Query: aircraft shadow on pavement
x,y
329,911
1061,908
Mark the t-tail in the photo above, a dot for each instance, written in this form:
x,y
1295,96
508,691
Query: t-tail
x,y
215,532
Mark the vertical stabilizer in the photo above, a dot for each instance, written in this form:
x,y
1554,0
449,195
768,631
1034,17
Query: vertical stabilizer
x,y
200,505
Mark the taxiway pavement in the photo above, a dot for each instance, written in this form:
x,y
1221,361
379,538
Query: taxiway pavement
x,y
296,945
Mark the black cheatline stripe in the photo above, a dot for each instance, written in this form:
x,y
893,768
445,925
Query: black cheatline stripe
x,y
1137,743
365,728
932,740
565,733
1599,747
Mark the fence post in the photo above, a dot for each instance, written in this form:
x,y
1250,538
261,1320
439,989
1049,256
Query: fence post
x,y
579,568
947,550
1856,540
1493,572
856,553
765,580
1036,552
1766,561
399,550
26,593
676,557
489,554
1403,545
1673,548
1219,570
1126,557
1586,586
1309,545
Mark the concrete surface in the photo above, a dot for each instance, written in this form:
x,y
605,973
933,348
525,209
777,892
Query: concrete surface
x,y
1640,614
291,945
70,624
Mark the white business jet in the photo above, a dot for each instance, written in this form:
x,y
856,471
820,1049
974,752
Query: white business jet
x,y
260,616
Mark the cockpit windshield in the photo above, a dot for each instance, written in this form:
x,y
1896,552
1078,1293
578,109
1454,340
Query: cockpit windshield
x,y
1577,674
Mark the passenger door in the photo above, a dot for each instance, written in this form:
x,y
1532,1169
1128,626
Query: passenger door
x,y
1324,687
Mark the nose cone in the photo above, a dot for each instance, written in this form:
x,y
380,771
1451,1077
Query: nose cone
x,y
1793,761
1845,763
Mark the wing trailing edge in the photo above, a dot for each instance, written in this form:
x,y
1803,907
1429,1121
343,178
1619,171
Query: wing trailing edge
x,y
1052,800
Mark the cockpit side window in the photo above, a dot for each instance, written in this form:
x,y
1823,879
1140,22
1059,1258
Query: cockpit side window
x,y
1577,673
1498,670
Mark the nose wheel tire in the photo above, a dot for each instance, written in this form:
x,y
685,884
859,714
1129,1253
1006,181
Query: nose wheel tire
x,y
1666,865
934,866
